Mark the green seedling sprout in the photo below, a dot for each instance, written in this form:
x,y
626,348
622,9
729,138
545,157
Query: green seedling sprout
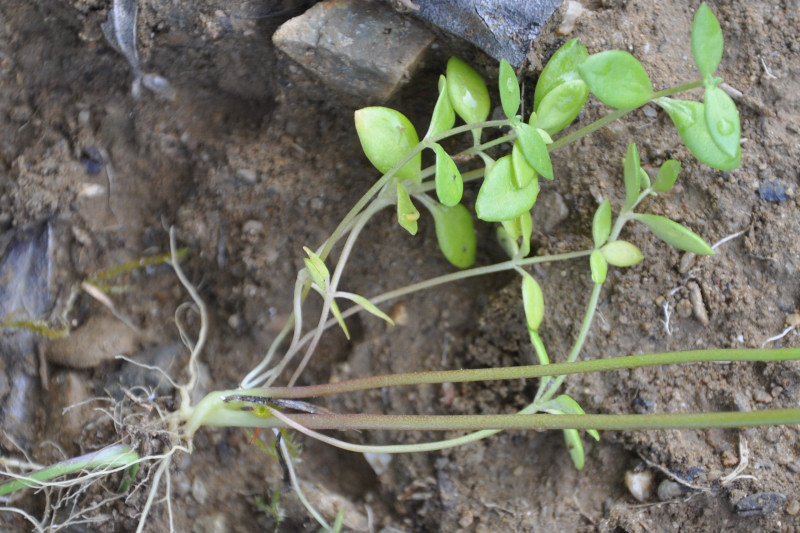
x,y
513,162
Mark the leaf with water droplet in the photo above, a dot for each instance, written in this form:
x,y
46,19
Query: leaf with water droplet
x,y
689,119
707,42
509,89
387,136
467,90
617,79
674,234
722,120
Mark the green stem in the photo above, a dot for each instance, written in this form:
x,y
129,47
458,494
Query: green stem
x,y
113,457
533,371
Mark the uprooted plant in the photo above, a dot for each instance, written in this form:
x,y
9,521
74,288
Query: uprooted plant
x,y
512,163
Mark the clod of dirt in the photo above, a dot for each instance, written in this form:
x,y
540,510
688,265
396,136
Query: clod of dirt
x,y
362,49
100,339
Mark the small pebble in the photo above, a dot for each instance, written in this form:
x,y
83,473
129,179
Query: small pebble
x,y
698,305
379,461
640,484
793,508
199,491
246,175
253,228
762,396
772,191
571,15
669,490
729,458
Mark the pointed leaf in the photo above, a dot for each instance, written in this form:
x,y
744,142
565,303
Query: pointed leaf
x,y
617,79
562,68
509,89
499,197
370,307
443,116
674,234
316,268
621,253
667,174
407,214
575,447
449,186
601,224
467,90
338,314
523,171
561,105
689,119
565,404
722,120
707,42
535,149
632,178
387,136
644,179
455,233
533,302
599,267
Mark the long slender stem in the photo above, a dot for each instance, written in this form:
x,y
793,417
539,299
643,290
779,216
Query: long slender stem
x,y
531,371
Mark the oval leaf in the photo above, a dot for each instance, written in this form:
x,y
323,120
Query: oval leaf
x,y
561,105
443,116
621,253
534,149
407,214
523,171
455,233
707,42
617,79
509,89
449,185
667,175
601,224
562,68
674,234
689,119
722,120
598,266
632,178
387,136
499,197
532,301
467,90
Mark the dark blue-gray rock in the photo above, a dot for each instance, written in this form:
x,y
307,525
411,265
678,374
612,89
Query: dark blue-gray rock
x,y
503,29
772,191
360,48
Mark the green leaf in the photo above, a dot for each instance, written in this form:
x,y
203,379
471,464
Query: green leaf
x,y
601,224
632,179
598,266
443,116
722,120
689,119
562,68
533,302
387,136
407,214
455,233
509,89
467,90
667,175
674,234
499,197
449,186
564,404
561,105
316,268
707,41
644,179
524,173
507,242
621,253
617,79
575,447
369,307
338,314
534,149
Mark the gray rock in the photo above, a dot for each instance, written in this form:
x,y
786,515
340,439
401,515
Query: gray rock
x,y
361,48
503,29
